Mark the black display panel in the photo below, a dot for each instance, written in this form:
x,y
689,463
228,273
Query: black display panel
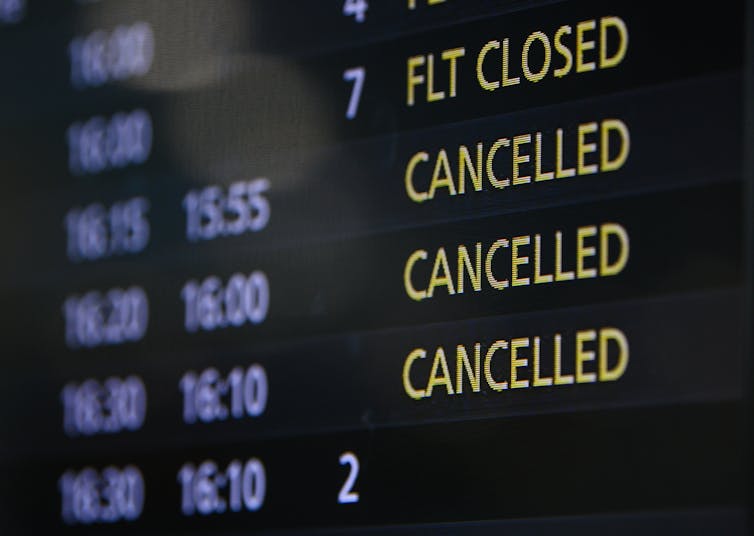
x,y
375,267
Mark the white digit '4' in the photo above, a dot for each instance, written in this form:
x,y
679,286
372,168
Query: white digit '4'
x,y
356,8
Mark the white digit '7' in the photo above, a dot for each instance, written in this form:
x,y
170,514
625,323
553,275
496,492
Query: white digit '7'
x,y
357,76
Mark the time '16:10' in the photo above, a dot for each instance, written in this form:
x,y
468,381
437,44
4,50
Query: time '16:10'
x,y
204,394
207,489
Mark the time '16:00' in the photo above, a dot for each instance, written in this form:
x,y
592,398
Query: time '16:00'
x,y
212,304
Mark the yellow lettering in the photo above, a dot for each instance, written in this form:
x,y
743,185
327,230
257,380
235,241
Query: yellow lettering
x,y
494,385
506,80
614,125
564,51
443,380
494,181
560,275
585,148
518,260
437,280
538,174
413,78
560,378
494,283
606,231
582,252
520,159
463,364
528,73
464,265
539,278
607,335
560,171
582,46
441,177
412,3
483,82
517,363
416,394
465,164
583,356
417,295
538,381
452,55
432,95
617,23
413,194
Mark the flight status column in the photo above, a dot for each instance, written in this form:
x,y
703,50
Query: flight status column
x,y
395,267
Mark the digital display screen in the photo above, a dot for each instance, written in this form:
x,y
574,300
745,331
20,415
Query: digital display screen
x,y
386,267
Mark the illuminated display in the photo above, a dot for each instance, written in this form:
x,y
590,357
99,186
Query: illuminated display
x,y
376,267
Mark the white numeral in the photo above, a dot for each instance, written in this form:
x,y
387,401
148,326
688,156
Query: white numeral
x,y
357,75
356,9
347,495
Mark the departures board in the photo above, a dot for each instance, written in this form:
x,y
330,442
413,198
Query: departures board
x,y
390,267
